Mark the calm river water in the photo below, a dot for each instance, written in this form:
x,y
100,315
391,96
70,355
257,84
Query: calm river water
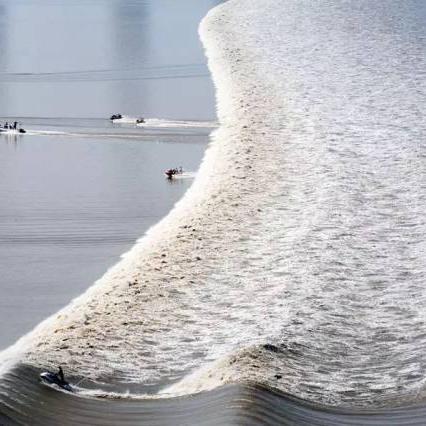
x,y
76,191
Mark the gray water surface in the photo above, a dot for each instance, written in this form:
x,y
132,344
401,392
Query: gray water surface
x,y
72,203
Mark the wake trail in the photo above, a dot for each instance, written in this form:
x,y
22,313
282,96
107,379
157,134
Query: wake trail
x,y
127,123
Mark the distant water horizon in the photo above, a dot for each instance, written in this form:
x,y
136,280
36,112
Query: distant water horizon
x,y
96,58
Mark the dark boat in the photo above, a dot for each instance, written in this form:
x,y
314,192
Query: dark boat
x,y
170,173
116,117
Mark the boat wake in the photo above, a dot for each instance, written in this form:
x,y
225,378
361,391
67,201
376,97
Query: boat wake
x,y
160,123
123,128
185,175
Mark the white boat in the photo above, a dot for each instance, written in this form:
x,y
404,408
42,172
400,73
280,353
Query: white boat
x,y
9,131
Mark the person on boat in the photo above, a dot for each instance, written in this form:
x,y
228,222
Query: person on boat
x,y
15,124
60,375
6,125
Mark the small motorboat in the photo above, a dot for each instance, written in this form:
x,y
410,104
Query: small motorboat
x,y
54,379
11,129
171,173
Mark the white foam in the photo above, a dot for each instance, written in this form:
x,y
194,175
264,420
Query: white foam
x,y
32,132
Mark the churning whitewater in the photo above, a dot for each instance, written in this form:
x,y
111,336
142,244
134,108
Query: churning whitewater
x,y
296,259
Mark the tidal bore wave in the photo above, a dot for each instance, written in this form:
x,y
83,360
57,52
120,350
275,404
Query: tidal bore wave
x,y
295,263
23,401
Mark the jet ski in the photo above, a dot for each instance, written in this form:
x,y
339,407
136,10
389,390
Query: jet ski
x,y
50,378
116,117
